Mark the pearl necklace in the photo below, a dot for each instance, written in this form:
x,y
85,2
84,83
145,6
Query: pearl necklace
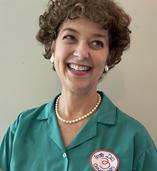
x,y
80,118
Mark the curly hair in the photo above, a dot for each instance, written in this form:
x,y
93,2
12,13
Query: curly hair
x,y
107,13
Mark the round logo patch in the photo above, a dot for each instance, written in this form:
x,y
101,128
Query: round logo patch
x,y
104,161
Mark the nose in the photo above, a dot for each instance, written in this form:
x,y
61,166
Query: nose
x,y
82,50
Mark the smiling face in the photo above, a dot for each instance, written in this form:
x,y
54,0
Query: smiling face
x,y
81,50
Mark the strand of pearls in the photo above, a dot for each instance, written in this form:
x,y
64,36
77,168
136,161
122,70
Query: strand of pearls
x,y
80,118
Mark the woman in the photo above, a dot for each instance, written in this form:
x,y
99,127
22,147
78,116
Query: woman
x,y
81,129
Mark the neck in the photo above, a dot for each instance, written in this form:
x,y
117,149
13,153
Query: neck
x,y
72,105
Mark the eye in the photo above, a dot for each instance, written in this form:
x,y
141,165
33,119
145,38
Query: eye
x,y
69,38
97,44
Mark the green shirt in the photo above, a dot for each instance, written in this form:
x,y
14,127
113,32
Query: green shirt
x,y
109,140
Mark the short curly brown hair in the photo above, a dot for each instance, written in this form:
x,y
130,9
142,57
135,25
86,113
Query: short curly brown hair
x,y
107,13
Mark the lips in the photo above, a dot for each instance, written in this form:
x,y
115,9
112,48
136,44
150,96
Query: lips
x,y
80,68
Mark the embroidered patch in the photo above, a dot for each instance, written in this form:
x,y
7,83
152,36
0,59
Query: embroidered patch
x,y
104,161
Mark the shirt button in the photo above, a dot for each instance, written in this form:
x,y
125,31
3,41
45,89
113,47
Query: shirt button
x,y
64,155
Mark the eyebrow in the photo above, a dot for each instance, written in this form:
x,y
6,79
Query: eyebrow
x,y
70,29
94,35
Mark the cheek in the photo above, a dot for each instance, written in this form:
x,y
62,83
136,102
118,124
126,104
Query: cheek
x,y
59,56
101,66
60,62
61,53
102,63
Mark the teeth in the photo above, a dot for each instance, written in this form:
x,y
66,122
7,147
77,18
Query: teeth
x,y
78,67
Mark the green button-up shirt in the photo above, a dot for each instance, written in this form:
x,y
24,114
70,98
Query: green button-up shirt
x,y
109,140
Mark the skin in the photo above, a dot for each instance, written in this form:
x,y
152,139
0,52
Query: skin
x,y
80,42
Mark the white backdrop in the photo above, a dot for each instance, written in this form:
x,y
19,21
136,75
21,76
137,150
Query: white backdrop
x,y
26,78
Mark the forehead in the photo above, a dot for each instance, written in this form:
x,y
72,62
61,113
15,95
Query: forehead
x,y
83,25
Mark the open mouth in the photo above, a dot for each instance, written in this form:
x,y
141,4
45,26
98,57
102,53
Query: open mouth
x,y
79,68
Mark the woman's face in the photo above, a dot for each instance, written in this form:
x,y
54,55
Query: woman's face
x,y
80,52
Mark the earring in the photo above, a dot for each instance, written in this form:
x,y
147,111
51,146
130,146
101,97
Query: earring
x,y
106,68
52,59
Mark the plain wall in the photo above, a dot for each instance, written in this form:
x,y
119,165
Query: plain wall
x,y
27,79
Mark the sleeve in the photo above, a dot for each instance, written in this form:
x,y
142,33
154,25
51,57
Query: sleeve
x,y
148,160
6,147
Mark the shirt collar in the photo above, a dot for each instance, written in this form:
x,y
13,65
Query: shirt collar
x,y
47,110
107,112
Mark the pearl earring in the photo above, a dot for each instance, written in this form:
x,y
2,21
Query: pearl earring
x,y
106,68
52,59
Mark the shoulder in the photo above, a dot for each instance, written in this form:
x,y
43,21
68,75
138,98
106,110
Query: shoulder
x,y
136,132
27,122
132,126
123,121
32,113
145,152
31,117
25,126
126,126
129,122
